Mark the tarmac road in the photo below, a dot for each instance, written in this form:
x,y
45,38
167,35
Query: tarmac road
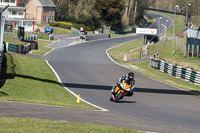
x,y
86,70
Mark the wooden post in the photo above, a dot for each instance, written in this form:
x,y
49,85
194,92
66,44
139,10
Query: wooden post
x,y
192,50
183,44
188,52
197,51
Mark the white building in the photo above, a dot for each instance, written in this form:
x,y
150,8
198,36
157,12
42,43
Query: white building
x,y
17,16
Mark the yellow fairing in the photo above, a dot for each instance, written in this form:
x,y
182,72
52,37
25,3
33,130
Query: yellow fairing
x,y
125,86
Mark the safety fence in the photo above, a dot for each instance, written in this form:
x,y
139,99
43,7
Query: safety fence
x,y
94,37
31,38
186,74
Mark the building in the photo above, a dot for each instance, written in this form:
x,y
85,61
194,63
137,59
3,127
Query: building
x,y
16,16
41,10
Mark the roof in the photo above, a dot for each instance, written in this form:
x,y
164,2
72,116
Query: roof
x,y
47,3
193,33
14,7
25,20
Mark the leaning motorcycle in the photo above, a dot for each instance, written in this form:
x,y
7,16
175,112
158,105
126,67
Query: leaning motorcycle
x,y
120,91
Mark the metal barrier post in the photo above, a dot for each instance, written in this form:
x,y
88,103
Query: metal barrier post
x,y
3,15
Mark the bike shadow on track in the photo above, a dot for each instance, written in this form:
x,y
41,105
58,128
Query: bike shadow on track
x,y
87,86
125,101
163,91
142,90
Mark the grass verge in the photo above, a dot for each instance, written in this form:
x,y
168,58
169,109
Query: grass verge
x,y
57,30
144,68
127,51
42,49
31,80
24,125
165,53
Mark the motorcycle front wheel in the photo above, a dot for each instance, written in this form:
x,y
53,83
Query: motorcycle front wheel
x,y
118,96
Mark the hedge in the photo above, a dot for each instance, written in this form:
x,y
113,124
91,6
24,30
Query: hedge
x,y
68,25
65,25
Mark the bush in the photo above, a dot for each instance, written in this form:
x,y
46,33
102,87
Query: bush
x,y
54,23
65,25
68,25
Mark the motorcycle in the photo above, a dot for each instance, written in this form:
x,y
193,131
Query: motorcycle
x,y
120,91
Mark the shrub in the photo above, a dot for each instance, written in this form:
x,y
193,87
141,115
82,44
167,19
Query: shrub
x,y
54,23
66,25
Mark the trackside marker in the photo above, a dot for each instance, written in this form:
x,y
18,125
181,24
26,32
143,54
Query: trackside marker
x,y
78,99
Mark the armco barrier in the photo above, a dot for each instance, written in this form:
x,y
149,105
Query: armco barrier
x,y
31,38
96,37
186,74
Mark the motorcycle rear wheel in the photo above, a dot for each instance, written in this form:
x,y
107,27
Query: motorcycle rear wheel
x,y
111,97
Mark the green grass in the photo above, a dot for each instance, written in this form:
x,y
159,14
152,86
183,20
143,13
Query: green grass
x,y
31,80
24,125
13,41
42,36
57,30
129,51
42,49
144,68
165,53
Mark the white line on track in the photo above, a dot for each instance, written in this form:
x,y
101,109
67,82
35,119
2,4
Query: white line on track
x,y
59,80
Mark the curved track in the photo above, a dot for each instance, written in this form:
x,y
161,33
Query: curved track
x,y
86,70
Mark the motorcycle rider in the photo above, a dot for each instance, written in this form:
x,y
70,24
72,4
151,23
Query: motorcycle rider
x,y
129,79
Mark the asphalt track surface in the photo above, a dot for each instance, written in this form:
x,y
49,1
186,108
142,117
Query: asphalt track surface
x,y
87,70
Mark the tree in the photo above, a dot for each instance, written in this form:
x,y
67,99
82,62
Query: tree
x,y
110,11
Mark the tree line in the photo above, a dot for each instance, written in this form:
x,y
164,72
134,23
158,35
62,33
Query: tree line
x,y
116,13
96,13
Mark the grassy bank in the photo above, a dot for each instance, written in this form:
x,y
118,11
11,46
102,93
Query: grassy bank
x,y
56,30
42,49
144,68
127,51
165,53
31,80
24,125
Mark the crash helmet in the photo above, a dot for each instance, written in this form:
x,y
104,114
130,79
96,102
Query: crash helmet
x,y
131,75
